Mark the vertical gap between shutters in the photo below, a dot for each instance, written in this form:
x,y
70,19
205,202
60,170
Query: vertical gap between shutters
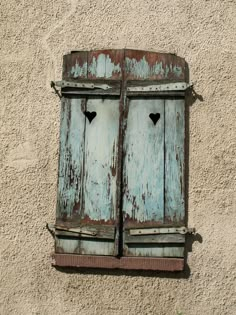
x,y
87,65
164,177
83,168
119,207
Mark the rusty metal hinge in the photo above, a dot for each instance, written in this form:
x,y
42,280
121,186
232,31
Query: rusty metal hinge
x,y
151,231
80,85
54,228
178,86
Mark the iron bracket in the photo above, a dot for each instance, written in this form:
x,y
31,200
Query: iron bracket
x,y
178,86
81,85
54,228
151,231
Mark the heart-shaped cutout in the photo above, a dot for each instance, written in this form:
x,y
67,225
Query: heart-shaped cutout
x,y
155,117
90,115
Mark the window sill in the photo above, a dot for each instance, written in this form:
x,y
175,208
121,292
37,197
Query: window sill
x,y
109,262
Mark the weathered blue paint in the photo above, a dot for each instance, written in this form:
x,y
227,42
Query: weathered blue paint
x,y
79,70
143,167
153,155
71,158
84,246
155,250
103,67
174,161
142,68
101,143
88,170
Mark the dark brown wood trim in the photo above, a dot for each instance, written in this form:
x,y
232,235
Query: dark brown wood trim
x,y
109,262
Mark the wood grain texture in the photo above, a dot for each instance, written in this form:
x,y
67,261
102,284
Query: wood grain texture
x,y
161,238
101,143
75,65
87,170
105,64
70,158
174,161
135,263
154,250
143,167
145,65
84,246
108,64
153,155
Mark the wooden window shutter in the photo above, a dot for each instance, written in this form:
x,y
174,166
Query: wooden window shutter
x,y
121,162
87,188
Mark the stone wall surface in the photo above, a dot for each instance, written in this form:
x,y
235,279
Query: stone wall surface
x,y
34,35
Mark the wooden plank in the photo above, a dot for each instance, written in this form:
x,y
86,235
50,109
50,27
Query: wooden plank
x,y
143,173
154,250
144,65
174,161
70,158
114,88
107,232
105,64
84,246
75,65
132,263
162,238
101,145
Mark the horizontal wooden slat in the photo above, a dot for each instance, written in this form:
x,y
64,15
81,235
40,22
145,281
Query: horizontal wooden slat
x,y
72,91
133,263
107,232
75,65
145,65
157,93
105,64
114,88
84,246
131,64
154,250
161,238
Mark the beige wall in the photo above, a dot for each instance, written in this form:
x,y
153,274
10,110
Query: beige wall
x,y
34,36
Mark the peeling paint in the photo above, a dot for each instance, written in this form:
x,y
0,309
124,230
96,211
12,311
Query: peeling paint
x,y
103,67
78,71
143,69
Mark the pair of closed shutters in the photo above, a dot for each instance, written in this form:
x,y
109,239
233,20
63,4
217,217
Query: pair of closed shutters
x,y
121,174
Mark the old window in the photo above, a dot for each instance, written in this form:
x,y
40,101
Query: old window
x,y
121,163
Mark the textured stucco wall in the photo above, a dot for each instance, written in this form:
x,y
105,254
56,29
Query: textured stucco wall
x,y
34,36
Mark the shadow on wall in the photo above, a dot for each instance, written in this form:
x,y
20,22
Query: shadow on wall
x,y
191,97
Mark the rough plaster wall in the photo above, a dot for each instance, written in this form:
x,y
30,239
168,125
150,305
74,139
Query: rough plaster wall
x,y
34,36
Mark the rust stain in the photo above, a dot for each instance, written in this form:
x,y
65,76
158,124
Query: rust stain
x,y
113,164
133,222
172,66
109,185
87,220
76,65
174,221
76,208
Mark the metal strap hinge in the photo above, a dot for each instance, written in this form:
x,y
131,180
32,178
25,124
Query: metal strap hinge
x,y
80,85
150,231
54,228
178,86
